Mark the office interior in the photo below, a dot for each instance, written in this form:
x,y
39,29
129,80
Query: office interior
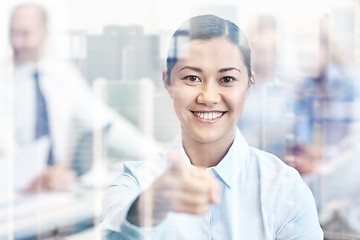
x,y
304,107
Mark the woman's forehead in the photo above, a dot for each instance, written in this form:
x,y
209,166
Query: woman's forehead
x,y
216,51
186,47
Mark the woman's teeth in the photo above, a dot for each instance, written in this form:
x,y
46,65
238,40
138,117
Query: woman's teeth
x,y
208,115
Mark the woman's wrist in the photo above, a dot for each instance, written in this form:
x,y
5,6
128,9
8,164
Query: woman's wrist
x,y
142,212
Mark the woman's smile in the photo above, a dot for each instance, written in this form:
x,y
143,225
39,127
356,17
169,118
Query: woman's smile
x,y
208,116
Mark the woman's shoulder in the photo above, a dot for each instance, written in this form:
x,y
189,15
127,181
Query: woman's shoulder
x,y
280,183
147,170
267,159
156,162
272,169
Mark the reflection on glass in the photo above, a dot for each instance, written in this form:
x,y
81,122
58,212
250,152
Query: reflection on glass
x,y
303,108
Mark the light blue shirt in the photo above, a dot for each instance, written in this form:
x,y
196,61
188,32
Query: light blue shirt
x,y
262,198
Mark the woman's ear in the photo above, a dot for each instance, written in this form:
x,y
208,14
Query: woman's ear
x,y
167,83
251,84
252,78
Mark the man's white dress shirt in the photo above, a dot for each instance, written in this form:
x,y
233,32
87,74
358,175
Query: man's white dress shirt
x,y
70,104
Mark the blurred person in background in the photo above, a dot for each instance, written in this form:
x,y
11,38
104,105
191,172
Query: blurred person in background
x,y
265,121
326,132
42,98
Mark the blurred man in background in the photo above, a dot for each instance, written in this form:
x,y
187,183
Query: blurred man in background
x,y
42,100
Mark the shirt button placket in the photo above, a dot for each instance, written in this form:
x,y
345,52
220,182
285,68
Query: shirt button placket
x,y
206,228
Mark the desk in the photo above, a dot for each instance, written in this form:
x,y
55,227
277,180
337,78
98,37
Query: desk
x,y
38,216
48,214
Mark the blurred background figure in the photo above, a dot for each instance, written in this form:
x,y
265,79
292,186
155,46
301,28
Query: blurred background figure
x,y
265,122
53,112
326,135
51,125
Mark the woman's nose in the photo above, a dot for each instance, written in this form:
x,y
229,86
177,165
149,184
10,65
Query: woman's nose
x,y
209,94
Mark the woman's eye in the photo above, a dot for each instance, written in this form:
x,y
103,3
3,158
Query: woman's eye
x,y
192,78
226,79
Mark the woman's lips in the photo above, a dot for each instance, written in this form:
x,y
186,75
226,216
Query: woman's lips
x,y
208,116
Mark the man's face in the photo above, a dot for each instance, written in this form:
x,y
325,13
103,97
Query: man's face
x,y
27,34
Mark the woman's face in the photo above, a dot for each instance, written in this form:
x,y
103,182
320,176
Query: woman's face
x,y
209,87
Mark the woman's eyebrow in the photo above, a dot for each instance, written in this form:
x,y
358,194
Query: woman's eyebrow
x,y
229,69
191,68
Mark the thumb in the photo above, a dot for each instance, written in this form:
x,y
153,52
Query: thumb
x,y
176,162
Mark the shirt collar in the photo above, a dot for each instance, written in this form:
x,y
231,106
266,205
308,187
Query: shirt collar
x,y
233,162
230,166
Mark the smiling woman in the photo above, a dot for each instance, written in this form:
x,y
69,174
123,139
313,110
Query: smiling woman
x,y
211,81
211,184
